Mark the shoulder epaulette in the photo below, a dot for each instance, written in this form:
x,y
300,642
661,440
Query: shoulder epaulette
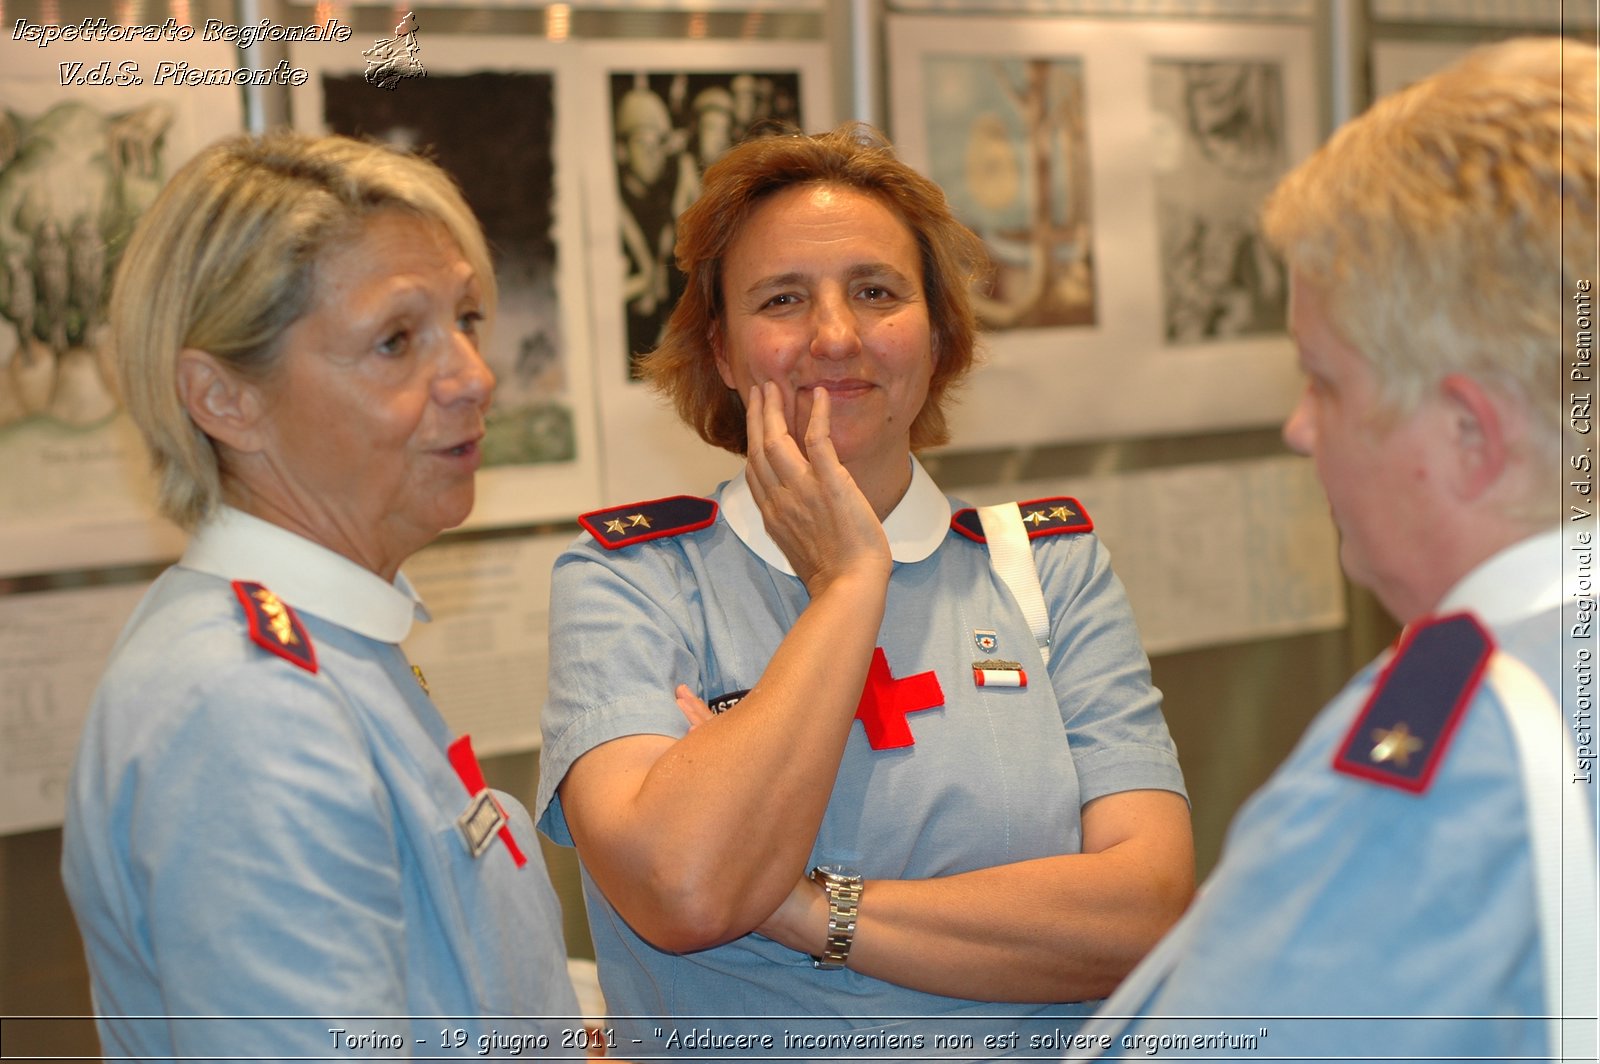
x,y
623,526
274,626
1043,517
1400,736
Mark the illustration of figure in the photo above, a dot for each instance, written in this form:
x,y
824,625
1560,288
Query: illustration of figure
x,y
745,103
756,111
31,371
1221,281
21,296
537,355
135,142
669,128
1022,176
1235,115
10,139
86,263
69,177
1222,128
644,146
710,135
53,273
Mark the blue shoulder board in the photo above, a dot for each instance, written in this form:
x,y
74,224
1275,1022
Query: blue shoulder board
x,y
274,626
1400,736
623,526
1043,517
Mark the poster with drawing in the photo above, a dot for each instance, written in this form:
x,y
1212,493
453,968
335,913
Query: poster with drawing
x,y
668,127
495,116
89,132
670,109
1114,168
1217,150
1015,164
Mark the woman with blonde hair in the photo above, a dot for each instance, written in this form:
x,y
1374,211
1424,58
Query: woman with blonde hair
x,y
268,816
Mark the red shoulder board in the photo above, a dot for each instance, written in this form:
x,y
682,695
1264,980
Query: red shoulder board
x,y
274,626
1042,517
1400,736
623,526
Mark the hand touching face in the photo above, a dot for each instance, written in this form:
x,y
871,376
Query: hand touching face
x,y
823,289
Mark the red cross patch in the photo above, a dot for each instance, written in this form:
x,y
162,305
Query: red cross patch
x,y
885,702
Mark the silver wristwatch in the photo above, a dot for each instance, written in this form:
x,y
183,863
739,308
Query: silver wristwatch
x,y
843,887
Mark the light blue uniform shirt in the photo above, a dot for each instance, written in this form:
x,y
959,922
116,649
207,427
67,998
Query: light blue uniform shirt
x,y
246,838
1348,919
994,776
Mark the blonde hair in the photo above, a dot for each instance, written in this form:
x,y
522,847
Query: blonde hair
x,y
224,262
853,156
1447,228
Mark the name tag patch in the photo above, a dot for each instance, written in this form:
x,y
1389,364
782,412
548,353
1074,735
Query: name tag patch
x,y
483,820
480,823
723,703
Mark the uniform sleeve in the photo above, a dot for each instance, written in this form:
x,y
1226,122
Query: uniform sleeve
x,y
620,642
1112,713
265,849
1337,896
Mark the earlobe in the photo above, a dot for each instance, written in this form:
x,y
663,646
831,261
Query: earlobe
x,y
223,406
1479,434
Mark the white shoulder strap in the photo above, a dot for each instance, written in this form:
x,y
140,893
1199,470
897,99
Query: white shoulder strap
x,y
1562,832
1012,557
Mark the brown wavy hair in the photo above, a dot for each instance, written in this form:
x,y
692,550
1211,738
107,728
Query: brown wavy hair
x,y
855,156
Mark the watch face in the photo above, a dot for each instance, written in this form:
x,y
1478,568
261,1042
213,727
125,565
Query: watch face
x,y
842,871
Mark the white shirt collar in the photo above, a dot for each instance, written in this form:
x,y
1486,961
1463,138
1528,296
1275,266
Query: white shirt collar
x,y
313,579
1519,581
915,528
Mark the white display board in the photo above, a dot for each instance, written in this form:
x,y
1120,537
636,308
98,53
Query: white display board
x,y
1157,141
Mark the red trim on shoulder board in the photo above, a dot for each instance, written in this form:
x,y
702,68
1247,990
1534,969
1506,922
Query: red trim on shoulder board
x,y
1041,517
274,626
1400,737
640,522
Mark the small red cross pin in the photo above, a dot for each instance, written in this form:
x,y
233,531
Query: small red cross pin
x,y
885,702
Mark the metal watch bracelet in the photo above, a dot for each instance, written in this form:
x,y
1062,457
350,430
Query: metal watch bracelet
x,y
843,889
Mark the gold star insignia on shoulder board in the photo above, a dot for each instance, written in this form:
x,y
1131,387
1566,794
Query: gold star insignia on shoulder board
x,y
1057,515
641,522
1399,737
1395,744
422,681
